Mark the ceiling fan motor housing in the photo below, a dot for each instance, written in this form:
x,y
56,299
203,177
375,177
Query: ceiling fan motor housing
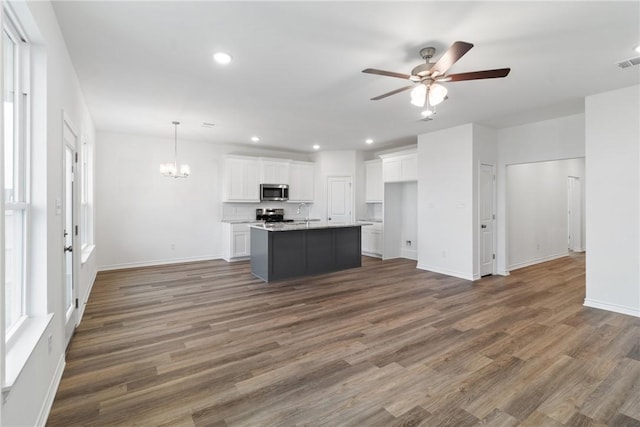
x,y
424,70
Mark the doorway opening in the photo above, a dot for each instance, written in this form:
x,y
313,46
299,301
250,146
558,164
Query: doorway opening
x,y
538,198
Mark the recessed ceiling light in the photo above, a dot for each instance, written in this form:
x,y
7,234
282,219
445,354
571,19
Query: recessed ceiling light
x,y
369,141
222,58
316,147
255,139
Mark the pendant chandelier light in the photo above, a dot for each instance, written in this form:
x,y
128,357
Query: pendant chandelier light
x,y
171,169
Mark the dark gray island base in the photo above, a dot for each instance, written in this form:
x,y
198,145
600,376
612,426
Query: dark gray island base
x,y
288,251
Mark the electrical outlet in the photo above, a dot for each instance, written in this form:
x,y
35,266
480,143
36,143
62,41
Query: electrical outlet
x,y
173,246
444,254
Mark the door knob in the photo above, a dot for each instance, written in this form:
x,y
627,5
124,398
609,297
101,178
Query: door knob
x,y
68,248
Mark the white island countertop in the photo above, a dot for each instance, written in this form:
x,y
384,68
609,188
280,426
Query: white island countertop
x,y
302,225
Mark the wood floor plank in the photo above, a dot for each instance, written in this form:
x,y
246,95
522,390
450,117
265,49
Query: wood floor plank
x,y
208,344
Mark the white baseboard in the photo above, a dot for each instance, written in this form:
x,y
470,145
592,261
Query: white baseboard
x,y
242,258
631,311
156,262
537,260
409,254
446,272
371,254
83,306
45,410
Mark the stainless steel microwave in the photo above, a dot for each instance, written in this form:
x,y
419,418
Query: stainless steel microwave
x,y
274,192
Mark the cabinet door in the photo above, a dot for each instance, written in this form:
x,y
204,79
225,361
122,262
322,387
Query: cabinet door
x,y
274,172
240,244
301,183
392,170
366,239
374,186
410,169
241,180
251,191
400,169
375,242
234,177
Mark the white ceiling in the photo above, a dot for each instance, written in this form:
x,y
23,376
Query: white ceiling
x,y
296,77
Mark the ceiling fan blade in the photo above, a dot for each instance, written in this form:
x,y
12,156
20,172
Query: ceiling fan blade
x,y
393,92
386,73
476,75
450,57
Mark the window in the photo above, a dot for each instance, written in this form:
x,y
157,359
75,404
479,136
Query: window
x,y
15,176
85,214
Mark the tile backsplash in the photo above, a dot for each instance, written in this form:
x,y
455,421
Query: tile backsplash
x,y
248,210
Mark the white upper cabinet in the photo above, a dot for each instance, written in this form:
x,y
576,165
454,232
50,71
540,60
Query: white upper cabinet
x,y
400,166
374,186
274,171
301,181
241,179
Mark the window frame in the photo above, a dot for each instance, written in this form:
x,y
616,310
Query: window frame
x,y
21,165
86,227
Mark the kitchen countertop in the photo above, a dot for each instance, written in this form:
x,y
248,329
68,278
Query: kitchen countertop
x,y
255,221
302,225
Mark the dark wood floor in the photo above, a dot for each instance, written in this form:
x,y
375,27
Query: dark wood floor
x,y
385,345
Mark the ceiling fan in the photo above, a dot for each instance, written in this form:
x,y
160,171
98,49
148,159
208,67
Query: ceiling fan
x,y
426,77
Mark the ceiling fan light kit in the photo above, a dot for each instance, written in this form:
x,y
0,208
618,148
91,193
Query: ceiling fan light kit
x,y
426,77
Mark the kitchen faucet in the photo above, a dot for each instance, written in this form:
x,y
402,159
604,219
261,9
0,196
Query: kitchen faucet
x,y
306,206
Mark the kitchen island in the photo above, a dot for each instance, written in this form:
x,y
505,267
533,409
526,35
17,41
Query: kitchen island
x,y
285,250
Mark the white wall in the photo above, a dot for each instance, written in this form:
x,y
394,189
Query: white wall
x,y
555,139
144,218
613,192
445,201
536,198
55,89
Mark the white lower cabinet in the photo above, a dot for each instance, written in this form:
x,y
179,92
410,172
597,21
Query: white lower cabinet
x,y
237,241
372,240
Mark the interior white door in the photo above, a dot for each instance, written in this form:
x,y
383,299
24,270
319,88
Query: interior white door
x,y
487,219
339,200
69,231
574,214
